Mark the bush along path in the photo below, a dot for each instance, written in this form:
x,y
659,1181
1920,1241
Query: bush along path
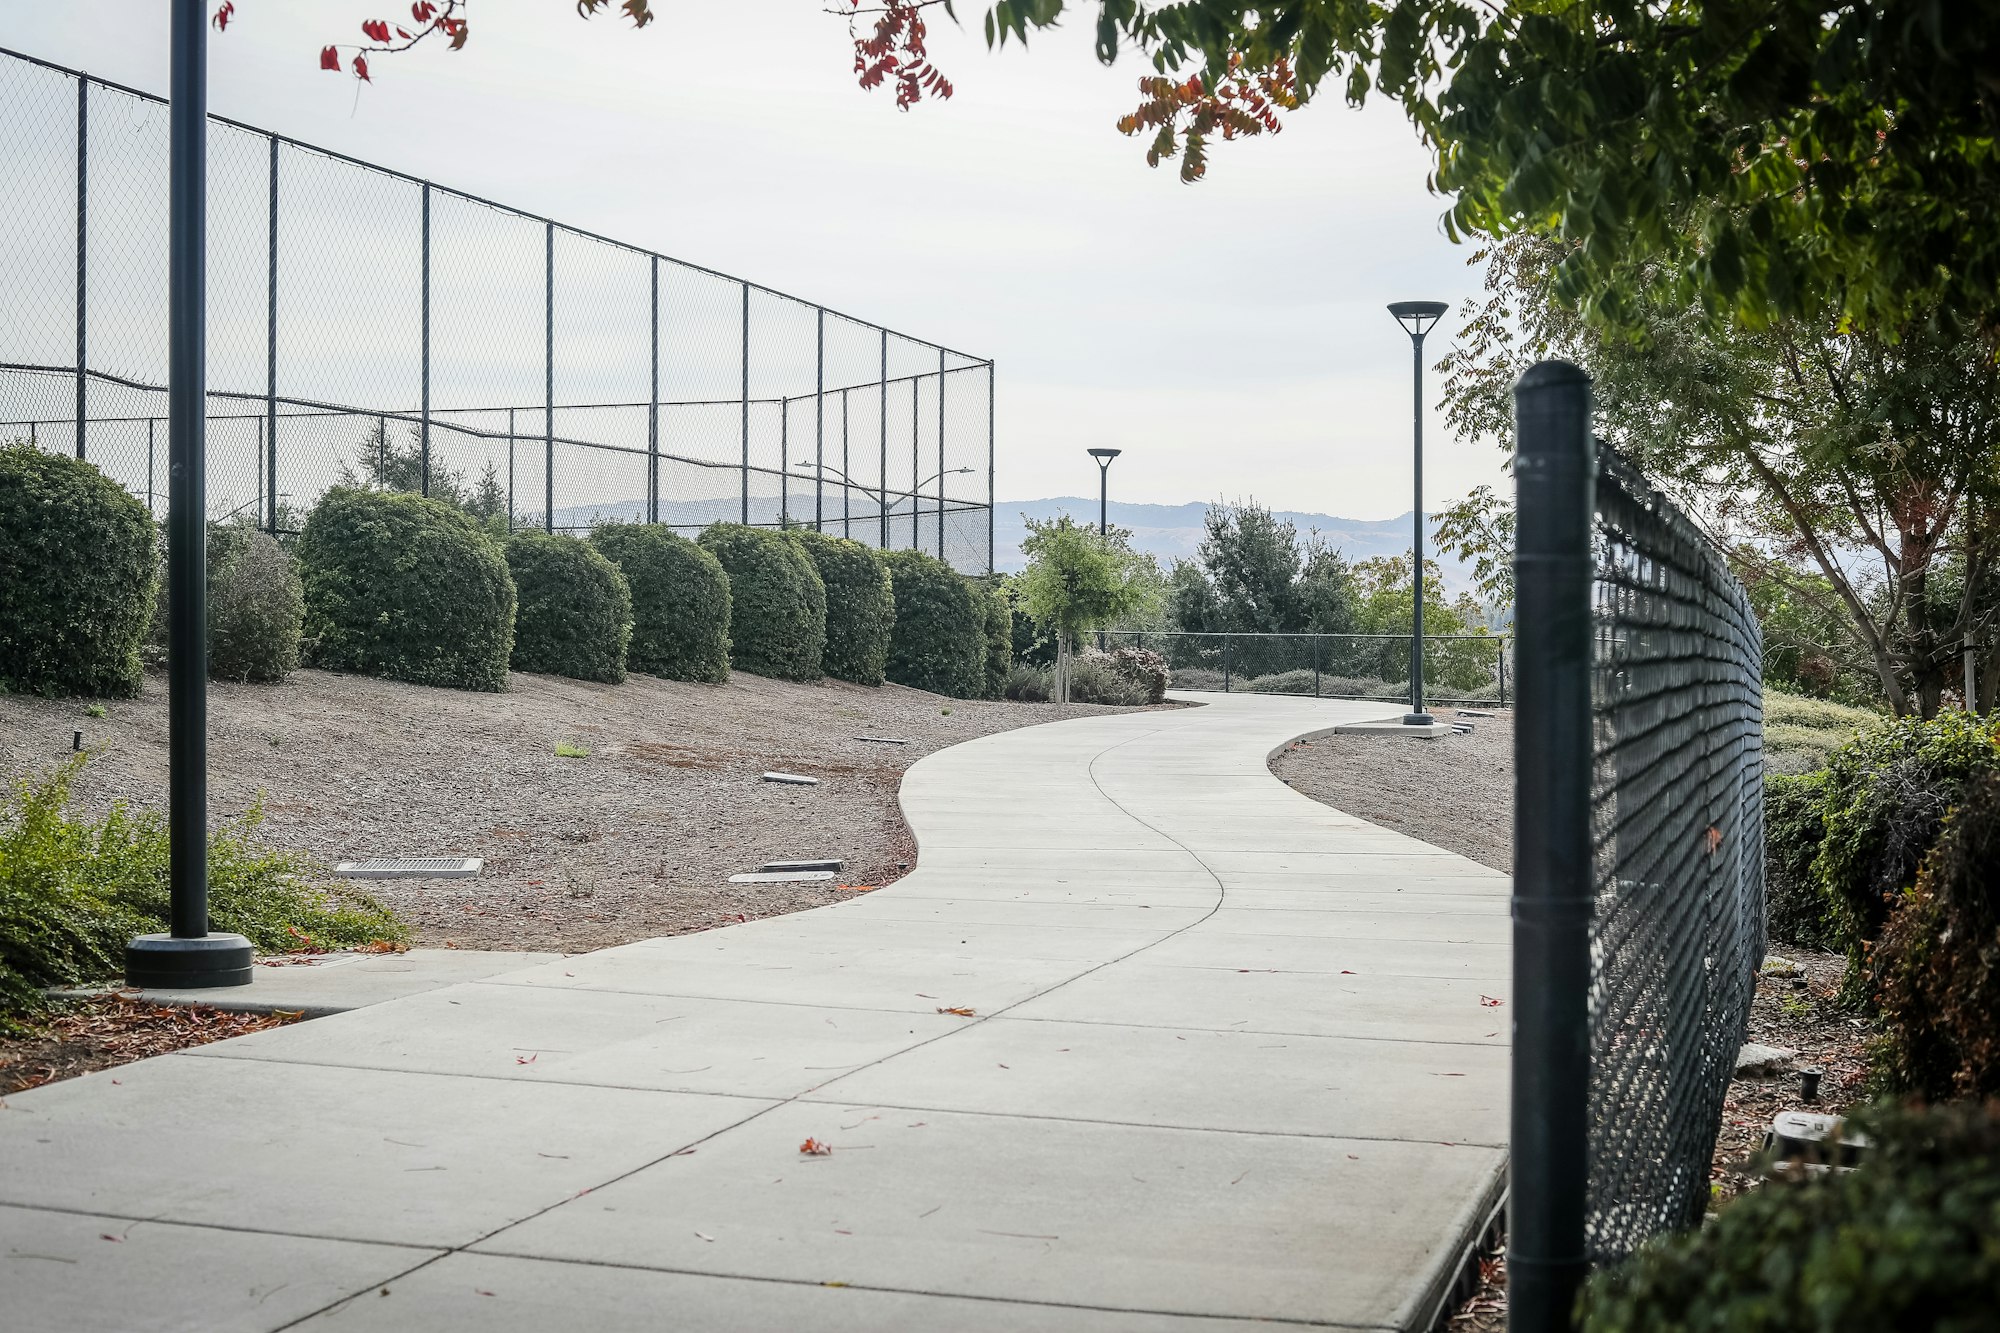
x,y
1106,999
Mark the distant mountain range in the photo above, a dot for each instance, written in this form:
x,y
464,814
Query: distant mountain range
x,y
1167,532
1171,532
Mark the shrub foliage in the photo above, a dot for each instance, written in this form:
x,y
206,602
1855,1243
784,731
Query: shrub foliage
x,y
1938,962
777,603
1906,1242
77,566
939,641
1797,909
998,614
256,606
575,612
1144,668
860,606
680,602
400,586
72,891
1097,678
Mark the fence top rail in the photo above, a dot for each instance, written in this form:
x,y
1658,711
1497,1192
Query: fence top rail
x,y
1302,634
469,197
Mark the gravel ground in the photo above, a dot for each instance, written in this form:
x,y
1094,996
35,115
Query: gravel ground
x,y
635,840
1455,792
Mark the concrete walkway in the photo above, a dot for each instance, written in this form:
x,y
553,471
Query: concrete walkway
x,y
1231,1056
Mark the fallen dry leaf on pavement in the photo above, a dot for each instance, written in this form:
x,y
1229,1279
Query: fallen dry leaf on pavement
x,y
814,1148
1489,1002
960,1010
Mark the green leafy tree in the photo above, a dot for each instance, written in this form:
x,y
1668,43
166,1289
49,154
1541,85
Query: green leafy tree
x,y
1077,580
1859,475
1385,599
1480,531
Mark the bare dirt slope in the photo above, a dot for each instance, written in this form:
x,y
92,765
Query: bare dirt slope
x,y
635,840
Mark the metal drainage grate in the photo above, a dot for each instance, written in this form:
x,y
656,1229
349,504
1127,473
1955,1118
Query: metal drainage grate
x,y
411,867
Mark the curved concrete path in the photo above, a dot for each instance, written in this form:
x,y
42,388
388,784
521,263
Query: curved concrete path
x,y
1231,1056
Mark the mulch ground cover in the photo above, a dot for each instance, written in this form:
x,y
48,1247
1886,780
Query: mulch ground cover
x,y
79,1037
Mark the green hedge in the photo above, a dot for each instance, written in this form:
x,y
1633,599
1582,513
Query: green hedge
x,y
1904,1243
680,602
1796,909
999,623
860,606
575,612
400,586
777,603
939,642
77,568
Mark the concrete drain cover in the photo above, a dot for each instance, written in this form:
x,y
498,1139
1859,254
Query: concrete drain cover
x,y
411,867
784,877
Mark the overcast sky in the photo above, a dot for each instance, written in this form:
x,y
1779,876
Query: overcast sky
x,y
1230,336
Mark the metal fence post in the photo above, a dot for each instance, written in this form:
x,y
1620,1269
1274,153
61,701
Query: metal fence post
x,y
784,461
1225,664
424,428
82,257
271,351
992,503
1553,471
916,471
883,431
149,466
510,470
1503,671
548,377
1315,666
653,405
745,517
846,476
940,453
819,419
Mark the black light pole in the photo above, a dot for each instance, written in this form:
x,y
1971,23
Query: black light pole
x,y
1417,317
187,956
1104,457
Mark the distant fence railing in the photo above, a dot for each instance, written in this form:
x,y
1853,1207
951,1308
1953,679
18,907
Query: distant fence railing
x,y
1458,668
1638,861
363,322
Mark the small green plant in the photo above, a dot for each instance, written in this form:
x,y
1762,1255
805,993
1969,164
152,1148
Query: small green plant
x,y
571,750
945,711
73,891
1905,1242
94,710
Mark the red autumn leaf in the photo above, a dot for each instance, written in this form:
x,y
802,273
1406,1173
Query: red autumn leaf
x,y
329,58
815,1148
375,30
361,69
527,1059
225,12
1489,1002
422,11
404,35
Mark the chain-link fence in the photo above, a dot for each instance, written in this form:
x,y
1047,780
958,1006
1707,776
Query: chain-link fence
x,y
1458,668
1639,892
371,327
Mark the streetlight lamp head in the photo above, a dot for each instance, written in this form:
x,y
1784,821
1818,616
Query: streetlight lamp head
x,y
1417,317
1104,453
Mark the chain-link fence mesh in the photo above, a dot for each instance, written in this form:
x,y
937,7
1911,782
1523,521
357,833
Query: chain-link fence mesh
x,y
1677,823
369,328
1458,668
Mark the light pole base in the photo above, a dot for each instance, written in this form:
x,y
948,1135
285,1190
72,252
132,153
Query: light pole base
x,y
171,962
1419,720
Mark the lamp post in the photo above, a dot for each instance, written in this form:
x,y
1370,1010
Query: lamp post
x,y
1417,318
187,956
1104,457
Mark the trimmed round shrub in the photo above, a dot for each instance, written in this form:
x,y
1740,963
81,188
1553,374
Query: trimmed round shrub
x,y
400,586
999,617
1939,962
777,603
256,606
1904,1242
939,642
860,606
77,569
574,616
680,602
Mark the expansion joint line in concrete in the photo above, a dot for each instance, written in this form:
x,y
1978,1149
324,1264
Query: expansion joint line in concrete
x,y
798,1097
